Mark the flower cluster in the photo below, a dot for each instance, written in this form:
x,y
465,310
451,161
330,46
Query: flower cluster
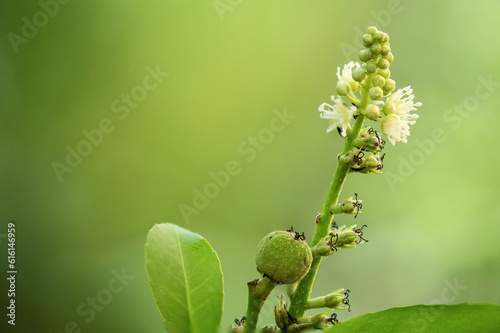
x,y
371,91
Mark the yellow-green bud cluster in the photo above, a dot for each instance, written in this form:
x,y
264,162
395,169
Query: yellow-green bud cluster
x,y
377,57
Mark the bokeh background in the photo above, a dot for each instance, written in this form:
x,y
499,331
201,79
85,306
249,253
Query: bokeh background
x,y
432,218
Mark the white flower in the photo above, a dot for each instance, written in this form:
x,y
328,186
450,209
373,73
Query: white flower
x,y
401,102
347,74
396,125
339,114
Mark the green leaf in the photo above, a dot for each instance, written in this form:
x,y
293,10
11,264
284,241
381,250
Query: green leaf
x,y
186,279
466,318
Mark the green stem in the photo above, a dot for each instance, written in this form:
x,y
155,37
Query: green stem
x,y
258,290
301,296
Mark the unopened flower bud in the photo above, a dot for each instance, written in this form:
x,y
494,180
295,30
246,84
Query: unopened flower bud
x,y
371,112
376,93
389,57
389,86
358,74
378,81
385,49
371,67
379,36
372,30
375,48
383,63
367,40
365,55
385,73
343,87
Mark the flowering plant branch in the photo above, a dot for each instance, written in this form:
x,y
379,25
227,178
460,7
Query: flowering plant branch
x,y
184,271
371,93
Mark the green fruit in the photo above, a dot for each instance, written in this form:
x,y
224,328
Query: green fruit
x,y
284,257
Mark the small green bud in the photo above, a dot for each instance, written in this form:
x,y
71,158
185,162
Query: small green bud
x,y
383,63
343,87
371,112
385,73
372,30
371,67
365,55
378,81
358,74
376,93
283,257
385,49
379,36
375,48
389,57
367,40
390,85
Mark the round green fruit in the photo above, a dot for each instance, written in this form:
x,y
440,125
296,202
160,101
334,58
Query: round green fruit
x,y
284,257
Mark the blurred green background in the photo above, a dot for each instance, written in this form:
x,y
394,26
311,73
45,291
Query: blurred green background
x,y
229,68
